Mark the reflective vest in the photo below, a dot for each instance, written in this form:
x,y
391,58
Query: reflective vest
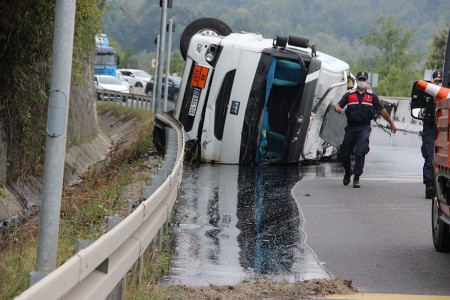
x,y
359,111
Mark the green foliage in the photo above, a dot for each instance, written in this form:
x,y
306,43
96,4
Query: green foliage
x,y
332,26
176,63
15,266
156,265
392,42
87,25
437,47
396,67
135,23
396,84
129,61
26,40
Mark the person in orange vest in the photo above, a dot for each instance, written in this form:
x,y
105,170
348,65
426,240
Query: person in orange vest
x,y
361,106
427,149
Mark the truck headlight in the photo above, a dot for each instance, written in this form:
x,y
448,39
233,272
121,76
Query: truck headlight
x,y
209,57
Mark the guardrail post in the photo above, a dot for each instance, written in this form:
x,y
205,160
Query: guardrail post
x,y
141,269
160,236
153,247
119,291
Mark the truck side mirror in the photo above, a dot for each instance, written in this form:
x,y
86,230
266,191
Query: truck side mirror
x,y
421,103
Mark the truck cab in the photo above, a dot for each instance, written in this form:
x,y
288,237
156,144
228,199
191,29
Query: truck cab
x,y
246,99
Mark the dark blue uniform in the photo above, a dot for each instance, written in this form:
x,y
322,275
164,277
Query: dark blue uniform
x,y
359,112
428,150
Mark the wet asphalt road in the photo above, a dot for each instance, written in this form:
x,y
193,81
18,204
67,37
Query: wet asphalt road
x,y
295,223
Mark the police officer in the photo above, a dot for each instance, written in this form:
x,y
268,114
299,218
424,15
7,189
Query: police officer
x,y
361,104
427,148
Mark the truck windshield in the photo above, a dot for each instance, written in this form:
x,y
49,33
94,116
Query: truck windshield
x,y
105,59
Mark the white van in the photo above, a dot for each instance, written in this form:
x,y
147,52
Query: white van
x,y
245,99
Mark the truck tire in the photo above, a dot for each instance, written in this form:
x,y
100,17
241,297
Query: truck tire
x,y
207,25
441,235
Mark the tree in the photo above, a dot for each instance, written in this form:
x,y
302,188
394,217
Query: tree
x,y
396,67
176,63
128,60
437,47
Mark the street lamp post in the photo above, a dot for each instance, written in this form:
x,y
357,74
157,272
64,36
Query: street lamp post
x,y
170,29
163,4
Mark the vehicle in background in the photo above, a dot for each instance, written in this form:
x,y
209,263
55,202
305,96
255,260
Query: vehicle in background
x,y
136,78
122,79
105,56
245,99
426,96
110,83
172,90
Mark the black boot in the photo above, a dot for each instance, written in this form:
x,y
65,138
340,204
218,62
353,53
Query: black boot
x,y
347,176
356,182
429,190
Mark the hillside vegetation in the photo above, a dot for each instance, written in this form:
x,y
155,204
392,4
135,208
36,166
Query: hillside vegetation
x,y
336,27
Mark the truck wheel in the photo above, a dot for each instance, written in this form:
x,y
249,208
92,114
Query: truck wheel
x,y
441,235
208,26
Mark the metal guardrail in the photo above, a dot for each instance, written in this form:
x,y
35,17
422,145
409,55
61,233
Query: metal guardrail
x,y
140,101
96,270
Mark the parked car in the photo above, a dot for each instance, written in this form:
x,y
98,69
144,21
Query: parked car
x,y
136,78
106,83
110,83
122,79
172,91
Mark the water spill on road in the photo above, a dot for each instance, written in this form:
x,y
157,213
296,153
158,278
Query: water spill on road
x,y
240,224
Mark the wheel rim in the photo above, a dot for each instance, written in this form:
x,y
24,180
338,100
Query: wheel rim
x,y
208,31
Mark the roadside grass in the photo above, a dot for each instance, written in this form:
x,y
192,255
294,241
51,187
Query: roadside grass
x,y
156,264
84,212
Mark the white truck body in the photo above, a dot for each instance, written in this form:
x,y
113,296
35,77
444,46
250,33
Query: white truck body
x,y
244,99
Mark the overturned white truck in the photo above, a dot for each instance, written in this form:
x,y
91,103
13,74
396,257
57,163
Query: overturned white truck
x,y
245,99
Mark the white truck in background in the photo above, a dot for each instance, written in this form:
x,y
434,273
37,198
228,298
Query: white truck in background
x,y
245,99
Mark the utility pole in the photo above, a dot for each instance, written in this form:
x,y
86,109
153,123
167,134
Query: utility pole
x,y
166,86
163,4
58,110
